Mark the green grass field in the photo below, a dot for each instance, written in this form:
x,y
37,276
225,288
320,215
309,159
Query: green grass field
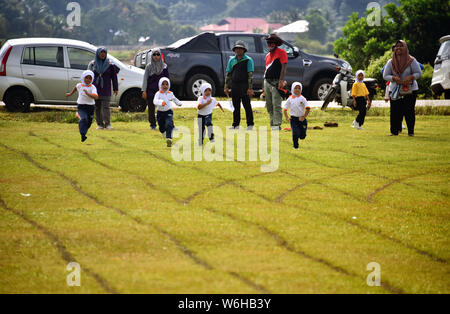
x,y
138,222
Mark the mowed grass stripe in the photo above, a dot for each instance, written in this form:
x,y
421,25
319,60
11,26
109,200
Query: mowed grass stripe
x,y
138,220
65,254
362,227
278,238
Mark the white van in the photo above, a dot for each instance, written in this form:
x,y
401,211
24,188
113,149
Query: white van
x,y
42,70
441,75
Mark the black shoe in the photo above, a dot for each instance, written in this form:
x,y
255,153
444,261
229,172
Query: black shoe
x,y
411,134
83,138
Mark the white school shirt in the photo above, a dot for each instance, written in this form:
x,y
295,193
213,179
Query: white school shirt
x,y
166,97
296,105
84,99
207,109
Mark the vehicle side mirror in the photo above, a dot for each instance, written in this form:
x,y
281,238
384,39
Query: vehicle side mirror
x,y
296,52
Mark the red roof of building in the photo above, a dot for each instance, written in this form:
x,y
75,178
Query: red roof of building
x,y
240,25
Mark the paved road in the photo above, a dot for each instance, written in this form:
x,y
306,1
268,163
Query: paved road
x,y
313,104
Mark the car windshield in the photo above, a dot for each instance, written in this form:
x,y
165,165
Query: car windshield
x,y
444,50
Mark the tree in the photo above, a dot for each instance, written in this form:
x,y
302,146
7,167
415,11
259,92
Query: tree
x,y
420,22
318,26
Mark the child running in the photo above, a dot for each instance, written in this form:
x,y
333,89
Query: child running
x,y
205,107
360,96
164,115
299,109
87,94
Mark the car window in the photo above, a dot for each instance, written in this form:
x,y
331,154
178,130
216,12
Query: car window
x,y
248,40
49,56
28,56
80,58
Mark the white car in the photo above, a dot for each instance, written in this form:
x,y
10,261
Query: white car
x,y
441,75
43,70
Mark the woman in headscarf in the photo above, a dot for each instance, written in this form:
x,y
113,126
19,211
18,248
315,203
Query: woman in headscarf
x,y
105,72
402,71
154,71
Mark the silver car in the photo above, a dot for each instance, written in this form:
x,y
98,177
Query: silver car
x,y
42,70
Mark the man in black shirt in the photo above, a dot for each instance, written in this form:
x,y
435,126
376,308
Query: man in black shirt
x,y
239,76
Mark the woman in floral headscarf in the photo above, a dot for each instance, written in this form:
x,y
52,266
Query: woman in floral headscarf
x,y
402,71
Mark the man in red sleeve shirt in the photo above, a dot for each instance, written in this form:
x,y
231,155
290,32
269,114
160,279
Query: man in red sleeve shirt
x,y
276,63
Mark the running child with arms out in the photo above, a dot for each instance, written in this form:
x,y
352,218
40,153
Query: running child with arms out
x,y
205,107
163,100
298,109
360,96
87,94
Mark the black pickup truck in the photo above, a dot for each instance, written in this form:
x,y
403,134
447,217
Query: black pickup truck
x,y
204,57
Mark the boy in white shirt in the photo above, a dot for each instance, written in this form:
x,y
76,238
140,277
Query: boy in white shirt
x,y
163,101
205,107
299,109
87,94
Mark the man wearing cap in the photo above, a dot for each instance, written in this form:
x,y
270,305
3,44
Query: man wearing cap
x,y
239,76
276,63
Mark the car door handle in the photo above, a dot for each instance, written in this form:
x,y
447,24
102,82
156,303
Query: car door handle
x,y
76,77
30,74
307,62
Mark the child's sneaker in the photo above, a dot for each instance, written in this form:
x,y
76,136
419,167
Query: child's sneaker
x,y
355,124
169,142
83,138
250,128
211,139
100,128
109,127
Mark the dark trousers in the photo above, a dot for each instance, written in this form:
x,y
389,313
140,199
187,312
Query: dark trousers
x,y
238,93
298,129
205,122
165,122
151,110
86,113
102,111
361,106
403,107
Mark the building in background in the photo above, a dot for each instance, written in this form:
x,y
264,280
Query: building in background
x,y
289,32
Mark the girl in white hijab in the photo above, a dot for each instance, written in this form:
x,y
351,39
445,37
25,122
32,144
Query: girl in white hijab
x,y
163,100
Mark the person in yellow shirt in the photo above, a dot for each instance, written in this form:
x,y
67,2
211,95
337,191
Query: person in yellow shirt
x,y
360,96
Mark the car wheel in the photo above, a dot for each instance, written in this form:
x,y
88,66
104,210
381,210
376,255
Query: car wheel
x,y
194,84
321,88
18,100
132,102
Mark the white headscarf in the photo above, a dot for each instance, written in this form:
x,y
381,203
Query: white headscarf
x,y
357,73
293,87
204,87
162,79
87,73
